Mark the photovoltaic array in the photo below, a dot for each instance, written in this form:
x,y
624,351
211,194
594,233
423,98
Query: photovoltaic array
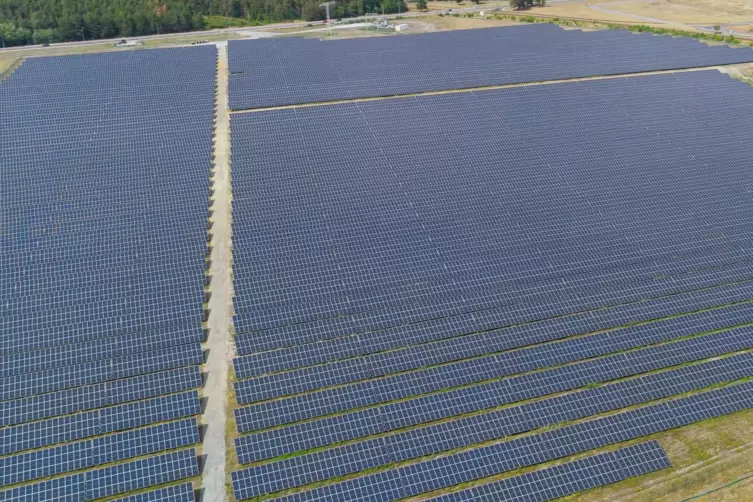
x,y
494,276
105,203
282,71
571,477
432,292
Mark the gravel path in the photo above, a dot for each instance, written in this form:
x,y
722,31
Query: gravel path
x,y
220,303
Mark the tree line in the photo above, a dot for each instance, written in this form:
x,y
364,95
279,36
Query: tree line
x,y
48,21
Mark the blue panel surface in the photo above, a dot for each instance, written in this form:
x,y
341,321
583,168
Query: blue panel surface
x,y
140,474
417,263
109,481
103,450
497,458
365,422
105,191
177,493
276,72
565,479
463,432
391,248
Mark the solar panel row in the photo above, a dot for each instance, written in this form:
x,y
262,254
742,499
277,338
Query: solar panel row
x,y
369,421
32,361
101,421
647,286
106,205
183,492
474,398
112,448
66,377
530,241
506,363
99,395
572,477
463,432
150,471
482,321
726,273
280,72
559,305
639,277
109,481
712,263
69,244
318,352
442,472
468,371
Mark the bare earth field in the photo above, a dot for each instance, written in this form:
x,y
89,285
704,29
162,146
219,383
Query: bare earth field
x,y
691,12
7,57
583,9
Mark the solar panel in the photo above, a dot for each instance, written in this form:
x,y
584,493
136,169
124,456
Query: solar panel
x,y
571,477
69,488
349,426
43,359
525,359
140,442
75,456
310,352
96,396
183,492
82,264
312,279
112,419
91,423
110,481
463,432
29,384
527,242
105,191
276,72
143,473
497,458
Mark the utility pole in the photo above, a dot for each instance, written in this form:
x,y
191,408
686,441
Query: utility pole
x,y
326,5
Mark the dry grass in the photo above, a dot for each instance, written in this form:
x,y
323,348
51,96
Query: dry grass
x,y
691,11
705,456
581,9
7,57
184,40
341,34
457,23
705,12
5,64
735,8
